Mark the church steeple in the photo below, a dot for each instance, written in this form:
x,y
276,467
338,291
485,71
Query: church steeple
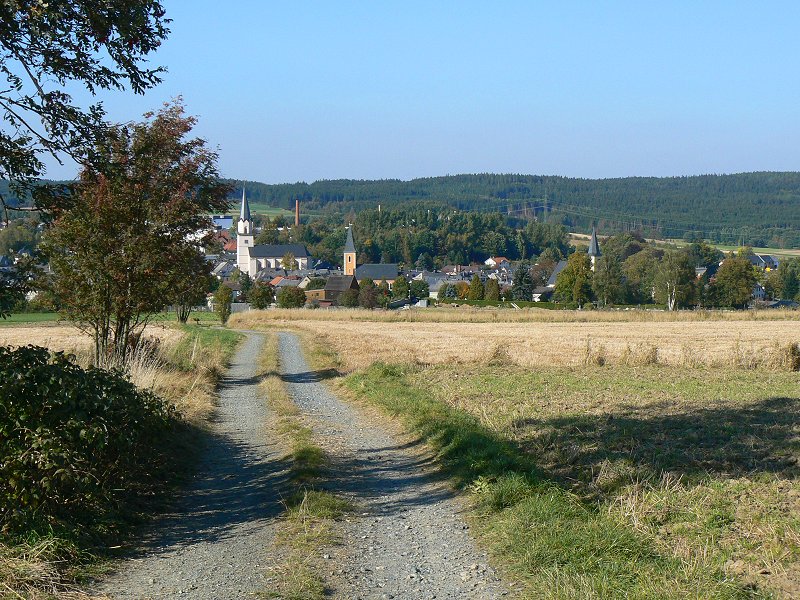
x,y
244,238
594,248
244,214
349,253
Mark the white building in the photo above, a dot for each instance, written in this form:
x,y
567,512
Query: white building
x,y
251,258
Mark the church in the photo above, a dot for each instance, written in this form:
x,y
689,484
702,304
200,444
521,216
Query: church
x,y
251,258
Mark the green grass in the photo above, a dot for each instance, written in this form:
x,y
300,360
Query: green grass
x,y
46,317
560,542
24,318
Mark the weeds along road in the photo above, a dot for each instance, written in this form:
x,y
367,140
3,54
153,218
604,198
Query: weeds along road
x,y
408,540
215,545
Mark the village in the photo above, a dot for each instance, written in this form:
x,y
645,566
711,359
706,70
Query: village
x,y
244,265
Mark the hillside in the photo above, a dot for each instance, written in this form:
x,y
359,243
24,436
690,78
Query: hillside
x,y
761,209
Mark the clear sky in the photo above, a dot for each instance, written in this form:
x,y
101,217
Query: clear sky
x,y
300,91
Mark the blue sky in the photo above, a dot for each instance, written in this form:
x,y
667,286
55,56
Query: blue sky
x,y
299,91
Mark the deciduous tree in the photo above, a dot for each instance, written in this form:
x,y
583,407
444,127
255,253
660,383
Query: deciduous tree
x,y
476,289
125,235
674,280
492,290
223,299
735,281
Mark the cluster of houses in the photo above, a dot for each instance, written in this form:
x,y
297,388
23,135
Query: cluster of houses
x,y
265,263
289,265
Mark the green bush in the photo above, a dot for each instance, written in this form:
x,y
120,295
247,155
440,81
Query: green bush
x,y
291,297
74,443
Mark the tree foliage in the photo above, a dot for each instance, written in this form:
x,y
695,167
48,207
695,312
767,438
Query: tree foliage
x,y
674,280
120,242
291,297
47,47
261,295
735,281
608,282
223,298
476,289
574,283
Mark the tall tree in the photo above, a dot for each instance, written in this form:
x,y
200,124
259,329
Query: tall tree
x,y
608,283
46,47
476,289
124,236
400,288
735,281
492,290
574,283
674,280
522,287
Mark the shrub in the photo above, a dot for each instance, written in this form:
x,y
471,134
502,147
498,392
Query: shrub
x,y
73,442
223,298
291,297
261,295
348,298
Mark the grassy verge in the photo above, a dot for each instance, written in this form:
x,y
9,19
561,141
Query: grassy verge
x,y
309,523
44,564
577,500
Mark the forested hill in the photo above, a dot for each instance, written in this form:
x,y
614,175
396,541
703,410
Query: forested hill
x,y
761,209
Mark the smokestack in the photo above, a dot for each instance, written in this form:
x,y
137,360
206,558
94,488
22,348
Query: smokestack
x,y
297,212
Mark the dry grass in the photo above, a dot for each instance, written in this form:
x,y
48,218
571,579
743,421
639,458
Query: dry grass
x,y
183,370
702,461
687,339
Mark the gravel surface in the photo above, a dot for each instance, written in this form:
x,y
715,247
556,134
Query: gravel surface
x,y
408,541
216,543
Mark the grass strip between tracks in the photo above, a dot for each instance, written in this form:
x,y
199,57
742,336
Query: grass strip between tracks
x,y
308,524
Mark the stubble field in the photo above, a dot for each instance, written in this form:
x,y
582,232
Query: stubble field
x,y
683,428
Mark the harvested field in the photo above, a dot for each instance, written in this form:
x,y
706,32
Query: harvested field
x,y
693,339
64,338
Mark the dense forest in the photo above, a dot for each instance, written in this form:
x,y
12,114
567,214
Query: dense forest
x,y
425,237
759,209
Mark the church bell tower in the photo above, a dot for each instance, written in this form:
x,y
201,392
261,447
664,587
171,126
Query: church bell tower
x,y
349,253
244,238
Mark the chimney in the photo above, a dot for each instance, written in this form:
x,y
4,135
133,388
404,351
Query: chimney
x,y
297,212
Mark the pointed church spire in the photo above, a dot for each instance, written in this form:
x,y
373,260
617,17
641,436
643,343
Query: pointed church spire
x,y
594,247
244,215
349,245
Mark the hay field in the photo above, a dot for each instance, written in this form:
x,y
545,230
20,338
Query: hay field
x,y
565,338
64,338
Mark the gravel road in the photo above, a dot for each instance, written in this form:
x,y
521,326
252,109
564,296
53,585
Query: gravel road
x,y
408,541
215,544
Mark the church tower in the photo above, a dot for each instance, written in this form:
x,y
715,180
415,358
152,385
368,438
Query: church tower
x,y
244,239
594,248
349,253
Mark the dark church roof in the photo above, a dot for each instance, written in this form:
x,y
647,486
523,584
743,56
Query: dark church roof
x,y
594,248
244,214
377,272
349,245
278,250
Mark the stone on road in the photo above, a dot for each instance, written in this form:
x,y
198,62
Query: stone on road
x,y
409,541
215,545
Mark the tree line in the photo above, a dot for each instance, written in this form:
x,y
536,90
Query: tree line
x,y
758,209
421,235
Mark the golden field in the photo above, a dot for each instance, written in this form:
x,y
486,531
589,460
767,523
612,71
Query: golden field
x,y
542,337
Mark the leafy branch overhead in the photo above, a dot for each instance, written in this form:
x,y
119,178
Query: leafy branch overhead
x,y
49,47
